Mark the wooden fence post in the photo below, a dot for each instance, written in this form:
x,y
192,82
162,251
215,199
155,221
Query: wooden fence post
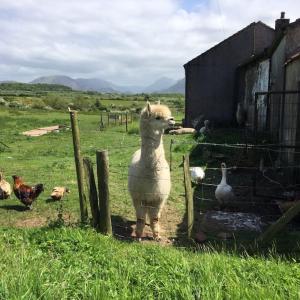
x,y
280,223
108,116
126,122
79,166
103,191
188,195
171,144
115,119
93,195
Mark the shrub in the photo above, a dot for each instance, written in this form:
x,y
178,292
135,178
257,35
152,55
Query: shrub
x,y
134,130
38,103
55,102
16,104
3,102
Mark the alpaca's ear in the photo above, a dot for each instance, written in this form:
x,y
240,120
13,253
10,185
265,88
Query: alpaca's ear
x,y
148,108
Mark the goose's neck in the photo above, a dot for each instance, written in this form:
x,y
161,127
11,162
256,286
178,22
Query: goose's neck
x,y
223,181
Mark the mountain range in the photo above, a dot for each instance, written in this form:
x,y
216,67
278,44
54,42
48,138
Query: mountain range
x,y
161,85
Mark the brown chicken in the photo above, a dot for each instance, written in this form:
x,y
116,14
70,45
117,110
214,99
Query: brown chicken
x,y
25,193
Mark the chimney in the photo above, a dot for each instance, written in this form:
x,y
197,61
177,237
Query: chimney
x,y
282,23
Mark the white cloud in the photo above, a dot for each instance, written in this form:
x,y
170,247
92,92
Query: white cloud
x,y
125,41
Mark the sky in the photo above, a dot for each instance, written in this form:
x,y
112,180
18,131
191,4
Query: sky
x,y
128,42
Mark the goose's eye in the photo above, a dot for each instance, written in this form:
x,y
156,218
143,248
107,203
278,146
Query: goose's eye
x,y
158,118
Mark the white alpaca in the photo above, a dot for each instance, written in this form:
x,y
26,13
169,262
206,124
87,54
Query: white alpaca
x,y
149,181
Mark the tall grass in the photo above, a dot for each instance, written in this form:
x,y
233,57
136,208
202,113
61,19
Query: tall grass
x,y
73,263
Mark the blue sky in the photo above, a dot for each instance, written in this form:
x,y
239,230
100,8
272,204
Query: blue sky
x,y
129,42
192,5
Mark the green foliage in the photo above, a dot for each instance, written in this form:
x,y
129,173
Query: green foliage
x,y
55,102
27,87
134,130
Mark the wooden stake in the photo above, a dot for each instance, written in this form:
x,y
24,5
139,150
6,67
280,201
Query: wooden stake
x,y
79,166
171,144
104,204
93,195
280,223
101,121
188,195
126,122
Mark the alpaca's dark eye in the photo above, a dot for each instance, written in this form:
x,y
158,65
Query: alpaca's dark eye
x,y
158,118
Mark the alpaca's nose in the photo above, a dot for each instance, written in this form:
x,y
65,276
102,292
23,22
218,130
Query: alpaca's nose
x,y
171,121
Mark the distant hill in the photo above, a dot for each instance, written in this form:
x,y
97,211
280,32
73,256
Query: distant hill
x,y
57,79
178,87
100,85
94,84
41,87
83,84
159,84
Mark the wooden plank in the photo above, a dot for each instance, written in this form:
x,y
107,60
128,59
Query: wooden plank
x,y
188,195
103,190
280,223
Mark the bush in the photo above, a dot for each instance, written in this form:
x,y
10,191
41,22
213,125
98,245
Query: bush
x,y
55,102
80,103
39,104
15,104
134,130
3,102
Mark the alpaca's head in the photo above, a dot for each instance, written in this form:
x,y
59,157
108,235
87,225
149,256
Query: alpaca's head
x,y
157,117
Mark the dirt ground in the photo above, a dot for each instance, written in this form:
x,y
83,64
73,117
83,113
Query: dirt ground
x,y
123,229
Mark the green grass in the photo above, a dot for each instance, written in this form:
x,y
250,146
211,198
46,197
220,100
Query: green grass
x,y
59,98
49,159
73,263
69,262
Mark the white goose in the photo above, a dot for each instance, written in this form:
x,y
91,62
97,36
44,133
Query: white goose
x,y
224,192
197,174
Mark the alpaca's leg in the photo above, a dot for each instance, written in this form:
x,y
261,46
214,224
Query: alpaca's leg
x,y
140,221
154,215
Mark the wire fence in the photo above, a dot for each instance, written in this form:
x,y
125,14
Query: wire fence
x,y
247,197
256,176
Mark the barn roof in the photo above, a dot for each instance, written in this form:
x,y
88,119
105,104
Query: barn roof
x,y
230,37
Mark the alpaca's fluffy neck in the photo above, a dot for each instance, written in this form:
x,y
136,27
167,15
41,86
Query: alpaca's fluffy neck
x,y
152,149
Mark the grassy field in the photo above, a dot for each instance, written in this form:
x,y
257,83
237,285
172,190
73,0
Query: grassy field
x,y
45,254
49,159
49,97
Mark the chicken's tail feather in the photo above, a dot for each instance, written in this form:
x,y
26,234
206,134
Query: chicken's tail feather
x,y
39,188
